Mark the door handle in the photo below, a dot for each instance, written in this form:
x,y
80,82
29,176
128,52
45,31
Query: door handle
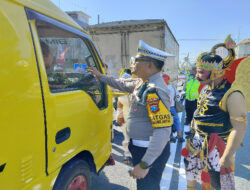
x,y
63,135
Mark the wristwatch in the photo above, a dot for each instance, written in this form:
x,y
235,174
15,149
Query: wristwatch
x,y
143,165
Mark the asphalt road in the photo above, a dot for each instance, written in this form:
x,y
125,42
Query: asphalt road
x,y
242,162
117,178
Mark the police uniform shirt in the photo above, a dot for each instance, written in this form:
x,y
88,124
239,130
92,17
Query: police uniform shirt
x,y
139,122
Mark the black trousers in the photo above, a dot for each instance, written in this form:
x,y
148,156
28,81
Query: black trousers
x,y
190,107
153,178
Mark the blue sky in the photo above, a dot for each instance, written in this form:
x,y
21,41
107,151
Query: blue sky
x,y
196,24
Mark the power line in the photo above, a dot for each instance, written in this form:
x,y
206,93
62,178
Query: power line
x,y
194,39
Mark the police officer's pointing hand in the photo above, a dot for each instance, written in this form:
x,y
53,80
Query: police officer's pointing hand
x,y
94,71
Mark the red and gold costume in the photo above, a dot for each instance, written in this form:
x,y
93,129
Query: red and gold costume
x,y
212,123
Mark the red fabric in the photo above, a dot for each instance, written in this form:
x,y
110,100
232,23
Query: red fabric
x,y
200,87
184,152
230,72
225,170
111,161
205,177
221,146
165,77
215,140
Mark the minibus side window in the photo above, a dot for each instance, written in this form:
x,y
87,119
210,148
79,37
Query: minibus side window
x,y
66,57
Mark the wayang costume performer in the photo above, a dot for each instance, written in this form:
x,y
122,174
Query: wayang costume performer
x,y
219,122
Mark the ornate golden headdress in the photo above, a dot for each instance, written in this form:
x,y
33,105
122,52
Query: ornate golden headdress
x,y
214,63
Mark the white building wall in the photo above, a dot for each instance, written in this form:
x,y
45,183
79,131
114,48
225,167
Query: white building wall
x,y
112,47
109,47
243,50
117,46
171,67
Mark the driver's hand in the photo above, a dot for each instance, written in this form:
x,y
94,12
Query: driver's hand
x,y
94,71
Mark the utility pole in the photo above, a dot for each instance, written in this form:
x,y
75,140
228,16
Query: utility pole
x,y
239,36
98,21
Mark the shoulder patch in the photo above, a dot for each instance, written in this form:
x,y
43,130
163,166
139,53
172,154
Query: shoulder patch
x,y
153,103
159,115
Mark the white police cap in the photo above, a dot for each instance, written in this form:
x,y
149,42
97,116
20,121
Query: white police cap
x,y
148,51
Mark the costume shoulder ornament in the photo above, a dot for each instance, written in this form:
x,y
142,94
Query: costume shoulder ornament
x,y
241,70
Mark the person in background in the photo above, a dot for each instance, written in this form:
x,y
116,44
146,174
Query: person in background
x,y
115,98
47,56
191,89
219,124
165,77
149,121
176,125
122,115
105,67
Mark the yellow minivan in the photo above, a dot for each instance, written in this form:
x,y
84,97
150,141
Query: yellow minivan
x,y
55,118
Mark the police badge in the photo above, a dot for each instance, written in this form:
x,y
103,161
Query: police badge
x,y
153,104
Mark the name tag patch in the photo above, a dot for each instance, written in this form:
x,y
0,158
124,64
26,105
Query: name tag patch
x,y
161,119
159,115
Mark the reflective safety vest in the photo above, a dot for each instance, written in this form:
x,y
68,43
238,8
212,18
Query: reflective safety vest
x,y
192,88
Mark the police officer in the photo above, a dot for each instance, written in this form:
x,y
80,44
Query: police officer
x,y
149,121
